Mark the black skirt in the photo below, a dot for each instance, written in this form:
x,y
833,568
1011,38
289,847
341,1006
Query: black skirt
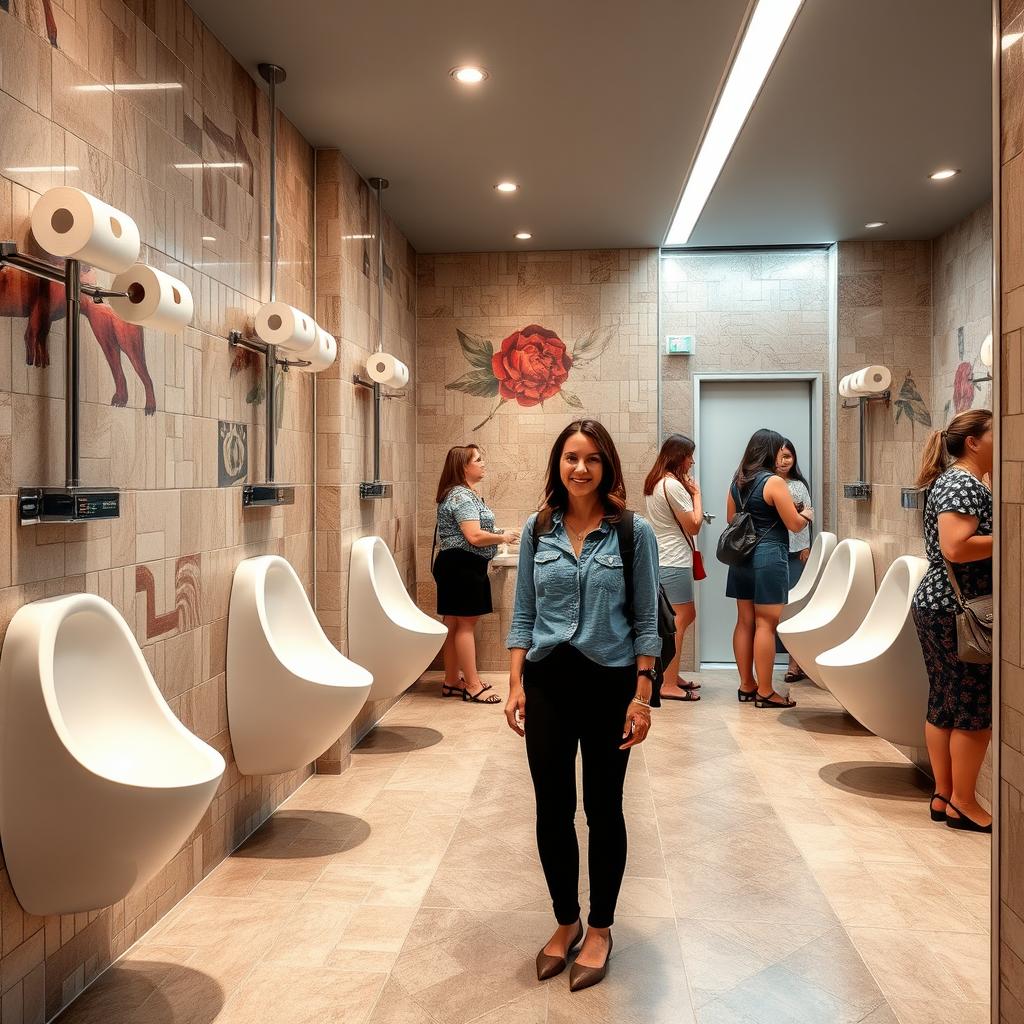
x,y
462,584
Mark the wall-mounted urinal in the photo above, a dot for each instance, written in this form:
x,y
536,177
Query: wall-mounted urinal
x,y
836,608
821,551
878,675
386,631
291,692
100,784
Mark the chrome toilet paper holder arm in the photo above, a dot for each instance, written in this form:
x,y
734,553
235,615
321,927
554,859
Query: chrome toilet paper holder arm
x,y
860,489
71,503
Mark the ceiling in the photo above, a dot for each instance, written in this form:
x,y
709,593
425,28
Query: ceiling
x,y
596,107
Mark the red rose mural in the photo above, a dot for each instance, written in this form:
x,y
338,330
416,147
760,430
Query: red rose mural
x,y
530,366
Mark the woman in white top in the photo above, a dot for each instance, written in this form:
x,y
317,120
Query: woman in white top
x,y
674,510
788,468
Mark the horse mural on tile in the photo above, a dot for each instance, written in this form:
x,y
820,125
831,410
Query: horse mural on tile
x,y
42,303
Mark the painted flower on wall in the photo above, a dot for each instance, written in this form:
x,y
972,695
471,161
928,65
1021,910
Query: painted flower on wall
x,y
530,366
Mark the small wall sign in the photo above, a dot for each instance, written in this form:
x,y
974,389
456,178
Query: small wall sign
x,y
680,344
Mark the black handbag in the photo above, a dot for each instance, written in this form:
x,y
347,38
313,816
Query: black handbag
x,y
740,537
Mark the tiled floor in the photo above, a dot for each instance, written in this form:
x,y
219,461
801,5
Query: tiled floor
x,y
782,870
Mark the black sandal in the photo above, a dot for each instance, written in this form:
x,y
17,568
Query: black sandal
x,y
937,815
794,677
767,702
452,691
478,697
964,823
687,695
689,686
746,696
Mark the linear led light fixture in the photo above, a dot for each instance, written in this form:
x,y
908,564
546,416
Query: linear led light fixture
x,y
213,165
130,87
767,30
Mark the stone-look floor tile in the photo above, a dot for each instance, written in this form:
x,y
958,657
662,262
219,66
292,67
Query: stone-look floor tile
x,y
308,937
763,887
289,994
776,996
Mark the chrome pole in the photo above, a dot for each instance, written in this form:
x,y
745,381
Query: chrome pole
x,y
379,184
272,74
73,302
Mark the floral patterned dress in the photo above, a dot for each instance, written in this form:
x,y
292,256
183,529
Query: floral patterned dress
x,y
960,694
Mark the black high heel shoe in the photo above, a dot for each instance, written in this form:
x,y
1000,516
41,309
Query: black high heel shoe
x,y
937,815
964,823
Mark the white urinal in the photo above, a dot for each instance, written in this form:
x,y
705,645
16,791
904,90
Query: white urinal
x,y
821,551
100,784
291,692
835,609
386,631
878,675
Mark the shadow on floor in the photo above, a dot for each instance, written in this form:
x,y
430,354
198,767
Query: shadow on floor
x,y
830,723
398,739
150,990
323,832
878,778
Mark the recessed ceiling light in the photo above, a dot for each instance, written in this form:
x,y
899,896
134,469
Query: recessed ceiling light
x,y
507,186
209,238
1010,38
765,34
942,175
469,74
875,224
523,236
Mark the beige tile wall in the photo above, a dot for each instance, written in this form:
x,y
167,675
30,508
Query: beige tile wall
x,y
751,312
347,283
885,316
492,295
167,563
1011,517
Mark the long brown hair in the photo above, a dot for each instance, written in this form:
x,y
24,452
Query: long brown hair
x,y
611,489
760,455
674,452
943,447
454,472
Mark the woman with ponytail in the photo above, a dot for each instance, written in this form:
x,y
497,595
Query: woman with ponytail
x,y
956,463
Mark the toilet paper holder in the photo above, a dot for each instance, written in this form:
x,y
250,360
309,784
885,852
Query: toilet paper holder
x,y
860,489
71,503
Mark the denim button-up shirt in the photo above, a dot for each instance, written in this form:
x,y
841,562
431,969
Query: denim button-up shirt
x,y
560,598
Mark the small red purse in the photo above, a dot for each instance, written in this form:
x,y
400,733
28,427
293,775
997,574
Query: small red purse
x,y
699,572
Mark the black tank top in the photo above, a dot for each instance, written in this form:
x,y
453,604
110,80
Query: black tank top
x,y
767,521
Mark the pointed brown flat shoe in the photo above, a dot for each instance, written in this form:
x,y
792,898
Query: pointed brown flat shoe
x,y
548,966
581,977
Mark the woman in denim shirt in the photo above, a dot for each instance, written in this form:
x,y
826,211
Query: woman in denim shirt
x,y
585,674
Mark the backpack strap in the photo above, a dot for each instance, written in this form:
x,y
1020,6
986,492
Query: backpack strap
x,y
624,531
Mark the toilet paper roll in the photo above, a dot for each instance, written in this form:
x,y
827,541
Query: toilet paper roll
x,y
72,224
321,355
986,351
872,380
155,299
277,323
846,389
387,370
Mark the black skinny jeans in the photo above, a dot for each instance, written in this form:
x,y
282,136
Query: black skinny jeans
x,y
571,703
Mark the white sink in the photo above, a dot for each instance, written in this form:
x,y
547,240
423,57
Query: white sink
x,y
100,784
507,561
387,633
291,692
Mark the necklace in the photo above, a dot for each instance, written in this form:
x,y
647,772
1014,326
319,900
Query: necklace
x,y
588,527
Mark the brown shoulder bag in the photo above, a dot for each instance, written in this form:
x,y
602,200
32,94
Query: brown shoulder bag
x,y
974,620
